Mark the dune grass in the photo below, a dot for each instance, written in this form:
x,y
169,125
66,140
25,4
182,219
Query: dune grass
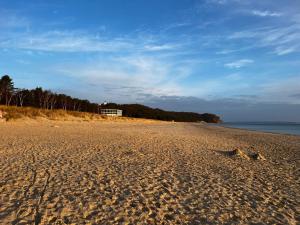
x,y
15,113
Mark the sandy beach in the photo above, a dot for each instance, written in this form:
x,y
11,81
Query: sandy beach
x,y
55,172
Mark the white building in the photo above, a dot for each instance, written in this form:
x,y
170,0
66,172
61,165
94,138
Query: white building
x,y
111,112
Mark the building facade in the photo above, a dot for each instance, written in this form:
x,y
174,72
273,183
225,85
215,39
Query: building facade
x,y
111,112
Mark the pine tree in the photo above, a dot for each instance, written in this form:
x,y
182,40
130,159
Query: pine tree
x,y
6,89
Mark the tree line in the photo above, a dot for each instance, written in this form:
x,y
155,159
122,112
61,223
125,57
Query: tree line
x,y
141,111
40,98
46,99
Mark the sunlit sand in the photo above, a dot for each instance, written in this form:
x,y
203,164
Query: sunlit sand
x,y
147,173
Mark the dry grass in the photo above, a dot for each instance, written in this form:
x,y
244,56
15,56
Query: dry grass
x,y
14,113
11,113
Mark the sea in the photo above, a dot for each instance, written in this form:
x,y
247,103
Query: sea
x,y
273,127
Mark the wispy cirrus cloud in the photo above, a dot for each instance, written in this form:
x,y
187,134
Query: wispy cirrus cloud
x,y
283,40
223,2
132,75
239,63
82,41
285,50
265,13
176,26
64,41
160,47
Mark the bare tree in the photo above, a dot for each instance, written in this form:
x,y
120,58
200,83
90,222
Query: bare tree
x,y
64,101
52,101
20,96
46,99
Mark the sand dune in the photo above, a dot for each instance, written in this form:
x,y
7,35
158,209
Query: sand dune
x,y
145,173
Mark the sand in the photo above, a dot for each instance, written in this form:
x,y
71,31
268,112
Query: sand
x,y
145,173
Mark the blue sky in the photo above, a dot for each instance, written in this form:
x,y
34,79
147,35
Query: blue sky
x,y
236,58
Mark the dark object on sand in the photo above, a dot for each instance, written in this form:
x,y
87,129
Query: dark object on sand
x,y
258,156
239,153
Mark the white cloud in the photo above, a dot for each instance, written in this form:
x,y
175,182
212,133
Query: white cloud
x,y
81,41
265,13
284,51
65,41
283,40
176,26
239,63
132,76
221,2
159,47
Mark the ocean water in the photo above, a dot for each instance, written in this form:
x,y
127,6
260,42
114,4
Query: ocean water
x,y
274,127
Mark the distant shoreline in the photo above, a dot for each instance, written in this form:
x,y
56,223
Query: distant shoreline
x,y
262,122
285,128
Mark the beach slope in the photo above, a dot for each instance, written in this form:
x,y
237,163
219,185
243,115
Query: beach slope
x,y
148,173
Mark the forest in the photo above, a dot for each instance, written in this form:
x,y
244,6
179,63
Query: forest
x,y
46,99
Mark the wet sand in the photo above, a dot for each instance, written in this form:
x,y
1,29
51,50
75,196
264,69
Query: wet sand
x,y
145,173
